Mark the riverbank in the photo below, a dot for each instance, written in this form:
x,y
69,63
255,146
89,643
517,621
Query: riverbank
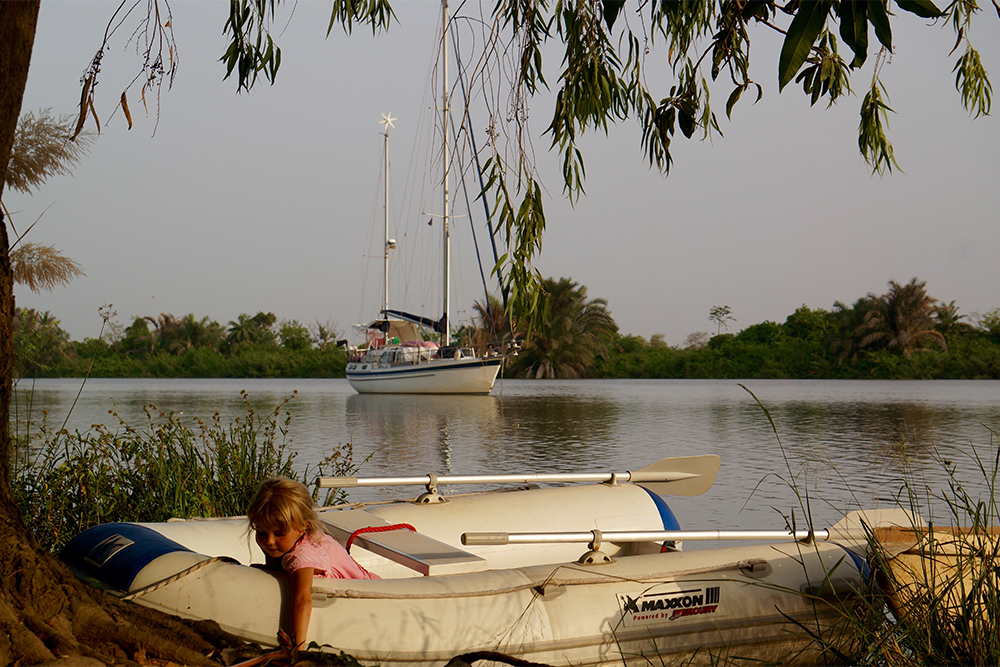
x,y
756,353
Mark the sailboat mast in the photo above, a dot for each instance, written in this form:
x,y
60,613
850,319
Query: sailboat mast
x,y
385,216
446,232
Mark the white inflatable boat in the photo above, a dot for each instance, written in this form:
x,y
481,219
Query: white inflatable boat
x,y
566,575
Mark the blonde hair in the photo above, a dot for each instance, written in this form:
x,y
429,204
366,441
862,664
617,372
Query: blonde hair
x,y
282,503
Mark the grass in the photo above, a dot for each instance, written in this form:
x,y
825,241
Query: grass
x,y
934,594
67,482
936,599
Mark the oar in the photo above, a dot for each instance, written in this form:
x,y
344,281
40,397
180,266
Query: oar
x,y
854,527
623,536
680,476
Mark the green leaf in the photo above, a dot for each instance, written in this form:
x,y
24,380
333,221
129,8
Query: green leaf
x,y
611,10
854,29
922,8
879,20
686,122
802,33
734,97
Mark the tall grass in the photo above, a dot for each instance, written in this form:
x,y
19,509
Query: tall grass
x,y
67,482
934,594
937,587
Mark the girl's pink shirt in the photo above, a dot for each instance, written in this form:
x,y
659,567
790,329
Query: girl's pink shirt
x,y
326,557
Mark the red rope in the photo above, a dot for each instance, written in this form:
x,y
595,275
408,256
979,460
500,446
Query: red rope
x,y
376,529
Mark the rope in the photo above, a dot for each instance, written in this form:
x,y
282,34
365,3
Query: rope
x,y
180,575
377,595
376,529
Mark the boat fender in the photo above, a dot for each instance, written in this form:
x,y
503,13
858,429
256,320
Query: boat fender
x,y
115,553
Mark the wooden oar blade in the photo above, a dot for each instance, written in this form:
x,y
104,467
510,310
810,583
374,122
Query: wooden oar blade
x,y
679,475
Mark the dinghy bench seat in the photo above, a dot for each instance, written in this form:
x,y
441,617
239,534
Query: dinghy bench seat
x,y
404,546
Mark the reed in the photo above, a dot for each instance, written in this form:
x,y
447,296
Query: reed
x,y
67,482
936,589
933,594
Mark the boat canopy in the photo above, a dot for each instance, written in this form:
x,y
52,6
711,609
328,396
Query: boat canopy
x,y
434,325
402,330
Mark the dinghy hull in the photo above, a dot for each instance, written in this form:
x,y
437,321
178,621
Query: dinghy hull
x,y
534,602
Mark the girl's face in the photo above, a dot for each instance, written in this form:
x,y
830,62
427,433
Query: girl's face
x,y
276,542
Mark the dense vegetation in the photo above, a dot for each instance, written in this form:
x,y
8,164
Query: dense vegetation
x,y
67,482
904,333
166,346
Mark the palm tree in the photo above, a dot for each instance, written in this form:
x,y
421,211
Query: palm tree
x,y
167,334
492,325
949,321
39,341
201,333
572,331
902,319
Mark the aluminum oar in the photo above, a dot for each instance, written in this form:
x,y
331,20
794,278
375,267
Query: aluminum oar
x,y
622,536
682,476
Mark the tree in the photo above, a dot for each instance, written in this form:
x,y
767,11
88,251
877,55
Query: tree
x,y
604,79
845,343
902,319
294,336
324,333
948,321
696,340
492,326
45,610
721,315
597,85
572,331
40,341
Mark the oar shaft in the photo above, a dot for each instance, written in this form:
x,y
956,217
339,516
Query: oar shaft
x,y
542,478
619,536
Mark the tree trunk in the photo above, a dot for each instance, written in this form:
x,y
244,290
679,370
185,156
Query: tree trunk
x,y
45,612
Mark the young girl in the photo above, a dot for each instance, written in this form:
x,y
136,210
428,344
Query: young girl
x,y
287,530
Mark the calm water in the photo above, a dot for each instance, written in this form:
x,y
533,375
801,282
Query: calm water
x,y
846,443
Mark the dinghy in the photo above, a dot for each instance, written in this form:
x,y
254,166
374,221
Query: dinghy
x,y
587,573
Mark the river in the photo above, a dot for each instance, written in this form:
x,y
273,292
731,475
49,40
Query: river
x,y
844,444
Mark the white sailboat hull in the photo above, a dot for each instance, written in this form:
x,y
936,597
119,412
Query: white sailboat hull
x,y
436,376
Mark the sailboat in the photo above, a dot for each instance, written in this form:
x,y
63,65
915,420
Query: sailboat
x,y
398,359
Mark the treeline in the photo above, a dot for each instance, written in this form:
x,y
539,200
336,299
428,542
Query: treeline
x,y
166,346
902,334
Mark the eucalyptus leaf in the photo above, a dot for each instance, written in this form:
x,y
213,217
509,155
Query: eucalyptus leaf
x,y
880,21
854,29
922,8
805,28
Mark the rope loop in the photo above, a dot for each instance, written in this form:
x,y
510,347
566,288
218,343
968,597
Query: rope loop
x,y
376,529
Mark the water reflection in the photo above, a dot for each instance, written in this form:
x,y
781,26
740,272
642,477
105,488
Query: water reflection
x,y
417,434
842,443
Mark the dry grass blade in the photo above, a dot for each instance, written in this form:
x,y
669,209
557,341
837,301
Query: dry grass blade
x,y
42,267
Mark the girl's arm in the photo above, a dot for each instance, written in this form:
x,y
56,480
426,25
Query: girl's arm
x,y
302,581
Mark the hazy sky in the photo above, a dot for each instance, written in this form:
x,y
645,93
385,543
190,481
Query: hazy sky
x,y
271,200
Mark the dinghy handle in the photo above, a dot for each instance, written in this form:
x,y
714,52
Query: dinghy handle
x,y
376,529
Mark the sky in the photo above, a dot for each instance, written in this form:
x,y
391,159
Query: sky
x,y
217,203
